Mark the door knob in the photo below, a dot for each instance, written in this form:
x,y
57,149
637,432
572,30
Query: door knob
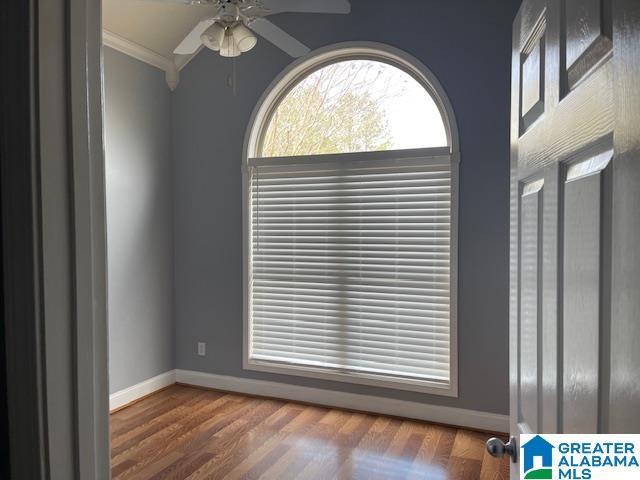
x,y
497,448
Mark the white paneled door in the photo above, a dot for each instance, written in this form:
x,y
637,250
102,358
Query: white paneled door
x,y
575,218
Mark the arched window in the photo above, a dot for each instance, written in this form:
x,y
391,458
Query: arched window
x,y
351,208
354,106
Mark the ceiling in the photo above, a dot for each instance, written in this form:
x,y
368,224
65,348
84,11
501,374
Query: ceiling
x,y
156,25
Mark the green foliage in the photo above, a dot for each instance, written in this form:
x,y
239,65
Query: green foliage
x,y
328,113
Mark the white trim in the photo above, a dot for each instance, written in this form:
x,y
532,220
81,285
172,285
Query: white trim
x,y
453,268
87,219
139,390
181,61
136,50
257,125
143,54
332,53
354,377
435,156
386,406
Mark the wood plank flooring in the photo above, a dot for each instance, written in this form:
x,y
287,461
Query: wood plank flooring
x,y
190,433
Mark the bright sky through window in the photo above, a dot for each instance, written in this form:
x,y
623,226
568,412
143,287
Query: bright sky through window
x,y
354,106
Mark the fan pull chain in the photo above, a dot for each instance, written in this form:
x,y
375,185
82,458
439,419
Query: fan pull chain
x,y
231,79
234,80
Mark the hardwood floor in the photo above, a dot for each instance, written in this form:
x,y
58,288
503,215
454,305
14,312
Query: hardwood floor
x,y
186,432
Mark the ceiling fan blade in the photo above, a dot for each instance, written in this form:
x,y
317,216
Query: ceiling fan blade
x,y
278,37
308,6
192,41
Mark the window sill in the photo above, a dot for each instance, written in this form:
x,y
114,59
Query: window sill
x,y
380,381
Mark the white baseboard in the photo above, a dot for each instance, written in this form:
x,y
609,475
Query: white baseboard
x,y
141,389
387,406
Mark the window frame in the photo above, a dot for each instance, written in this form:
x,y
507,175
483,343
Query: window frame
x,y
258,125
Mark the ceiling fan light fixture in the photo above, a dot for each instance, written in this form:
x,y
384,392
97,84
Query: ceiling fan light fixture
x,y
244,38
213,37
229,47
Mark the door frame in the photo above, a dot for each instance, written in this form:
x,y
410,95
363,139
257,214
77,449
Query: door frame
x,y
53,239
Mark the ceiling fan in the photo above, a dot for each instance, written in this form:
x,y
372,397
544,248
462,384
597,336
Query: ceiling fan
x,y
230,30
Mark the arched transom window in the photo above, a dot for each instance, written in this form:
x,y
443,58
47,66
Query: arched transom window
x,y
354,106
351,182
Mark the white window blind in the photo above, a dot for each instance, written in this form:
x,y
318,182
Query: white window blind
x,y
349,267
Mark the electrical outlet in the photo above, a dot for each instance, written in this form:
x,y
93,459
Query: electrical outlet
x,y
202,349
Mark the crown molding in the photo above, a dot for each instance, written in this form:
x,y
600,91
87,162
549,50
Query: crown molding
x,y
145,55
182,60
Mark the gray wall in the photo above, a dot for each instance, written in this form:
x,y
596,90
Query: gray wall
x,y
466,43
139,191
